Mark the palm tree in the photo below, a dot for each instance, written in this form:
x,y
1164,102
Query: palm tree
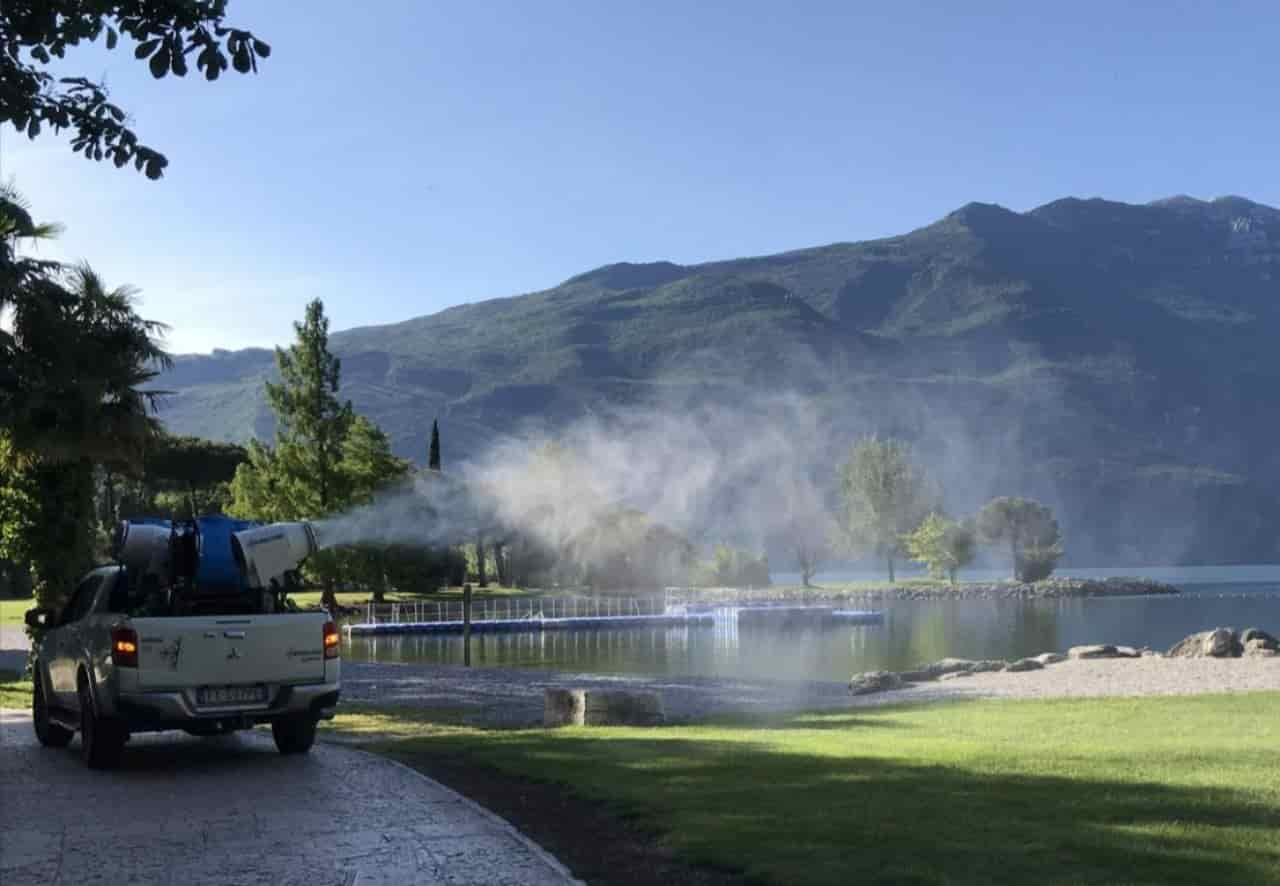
x,y
74,360
84,355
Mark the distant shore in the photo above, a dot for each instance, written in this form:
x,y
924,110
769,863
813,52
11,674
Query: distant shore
x,y
1053,588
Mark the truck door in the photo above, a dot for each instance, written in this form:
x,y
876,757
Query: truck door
x,y
65,640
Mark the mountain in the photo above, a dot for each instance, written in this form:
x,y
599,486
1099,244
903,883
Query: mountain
x,y
1118,361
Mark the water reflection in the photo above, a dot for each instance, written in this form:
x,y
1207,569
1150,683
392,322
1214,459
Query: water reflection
x,y
913,633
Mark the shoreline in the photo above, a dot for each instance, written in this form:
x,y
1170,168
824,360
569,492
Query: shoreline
x,y
513,697
1049,589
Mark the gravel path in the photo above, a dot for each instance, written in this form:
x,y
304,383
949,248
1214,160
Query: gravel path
x,y
508,696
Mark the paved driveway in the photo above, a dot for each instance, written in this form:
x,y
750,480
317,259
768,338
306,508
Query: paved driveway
x,y
230,811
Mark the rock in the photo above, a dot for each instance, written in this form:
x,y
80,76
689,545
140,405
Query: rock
x,y
1254,634
956,675
1099,650
988,665
946,666
1127,652
1024,664
1048,658
1188,647
1258,648
874,681
601,707
1218,643
1221,643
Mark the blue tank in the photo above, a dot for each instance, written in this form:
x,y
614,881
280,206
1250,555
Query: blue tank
x,y
198,551
216,566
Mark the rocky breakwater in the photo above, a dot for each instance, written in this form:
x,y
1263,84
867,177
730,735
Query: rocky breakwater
x,y
1049,589
1226,643
1217,643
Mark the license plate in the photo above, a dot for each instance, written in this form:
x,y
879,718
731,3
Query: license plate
x,y
226,695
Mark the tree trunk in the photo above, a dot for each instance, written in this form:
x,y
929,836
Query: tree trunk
x,y
329,597
951,575
481,575
889,559
499,563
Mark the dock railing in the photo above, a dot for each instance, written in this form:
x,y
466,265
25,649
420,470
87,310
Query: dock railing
x,y
512,609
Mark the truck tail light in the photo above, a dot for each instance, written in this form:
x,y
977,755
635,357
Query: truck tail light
x,y
124,647
332,640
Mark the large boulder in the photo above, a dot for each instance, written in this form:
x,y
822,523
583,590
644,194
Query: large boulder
x,y
1097,650
1218,643
1265,640
874,681
1258,648
1221,643
1191,646
601,707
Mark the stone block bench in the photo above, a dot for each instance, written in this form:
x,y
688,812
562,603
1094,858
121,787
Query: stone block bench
x,y
601,707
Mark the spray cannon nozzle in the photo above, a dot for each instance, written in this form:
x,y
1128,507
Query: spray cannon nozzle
x,y
267,554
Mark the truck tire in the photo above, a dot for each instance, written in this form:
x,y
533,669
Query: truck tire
x,y
48,733
295,735
101,741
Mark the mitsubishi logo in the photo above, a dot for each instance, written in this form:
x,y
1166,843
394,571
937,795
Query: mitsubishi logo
x,y
234,653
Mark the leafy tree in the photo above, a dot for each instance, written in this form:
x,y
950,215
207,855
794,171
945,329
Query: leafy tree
x,y
810,553
189,476
884,497
433,454
166,33
1030,530
730,567
942,545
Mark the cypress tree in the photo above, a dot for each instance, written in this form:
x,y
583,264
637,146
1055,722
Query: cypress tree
x,y
433,456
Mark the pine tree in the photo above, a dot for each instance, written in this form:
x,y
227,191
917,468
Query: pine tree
x,y
311,422
433,455
325,459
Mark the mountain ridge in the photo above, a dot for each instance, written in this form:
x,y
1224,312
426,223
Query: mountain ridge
x,y
1101,348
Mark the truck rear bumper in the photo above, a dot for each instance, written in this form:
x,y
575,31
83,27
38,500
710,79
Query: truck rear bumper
x,y
157,711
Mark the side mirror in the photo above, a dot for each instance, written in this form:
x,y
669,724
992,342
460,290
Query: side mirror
x,y
39,618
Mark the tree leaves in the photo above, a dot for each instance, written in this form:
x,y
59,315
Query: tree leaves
x,y
164,33
160,62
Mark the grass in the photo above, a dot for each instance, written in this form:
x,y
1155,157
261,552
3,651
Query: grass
x,y
1152,790
12,611
15,690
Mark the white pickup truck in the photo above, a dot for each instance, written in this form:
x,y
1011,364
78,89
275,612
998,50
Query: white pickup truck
x,y
123,657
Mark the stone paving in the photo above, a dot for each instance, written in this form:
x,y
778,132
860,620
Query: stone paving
x,y
231,811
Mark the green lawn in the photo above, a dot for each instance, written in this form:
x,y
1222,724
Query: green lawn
x,y
1157,790
15,690
12,611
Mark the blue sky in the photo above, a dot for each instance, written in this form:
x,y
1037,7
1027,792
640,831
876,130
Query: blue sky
x,y
415,155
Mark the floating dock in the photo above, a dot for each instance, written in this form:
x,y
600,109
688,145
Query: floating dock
x,y
507,625
754,616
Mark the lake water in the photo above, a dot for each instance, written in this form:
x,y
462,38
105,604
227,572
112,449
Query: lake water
x,y
913,633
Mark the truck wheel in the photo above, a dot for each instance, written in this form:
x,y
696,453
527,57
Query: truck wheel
x,y
295,735
48,733
101,741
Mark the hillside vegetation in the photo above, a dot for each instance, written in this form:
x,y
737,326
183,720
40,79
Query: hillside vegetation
x,y
1114,360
